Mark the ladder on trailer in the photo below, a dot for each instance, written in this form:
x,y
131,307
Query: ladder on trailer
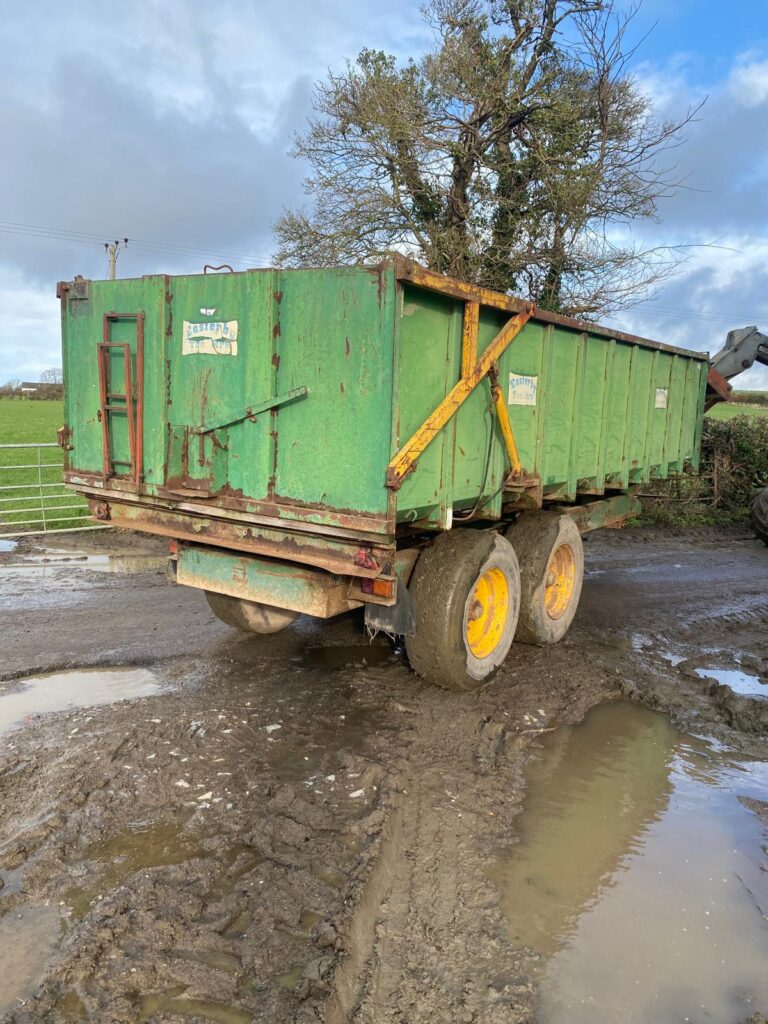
x,y
128,403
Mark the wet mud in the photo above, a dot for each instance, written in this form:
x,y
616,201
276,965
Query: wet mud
x,y
201,826
35,696
634,838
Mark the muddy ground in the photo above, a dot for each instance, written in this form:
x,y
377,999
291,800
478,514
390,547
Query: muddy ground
x,y
295,828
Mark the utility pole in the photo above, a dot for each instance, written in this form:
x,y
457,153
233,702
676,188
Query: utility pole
x,y
113,249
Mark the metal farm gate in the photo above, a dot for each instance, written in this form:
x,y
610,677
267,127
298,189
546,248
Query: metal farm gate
x,y
33,498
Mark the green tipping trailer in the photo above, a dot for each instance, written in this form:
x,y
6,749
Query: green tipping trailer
x,y
313,441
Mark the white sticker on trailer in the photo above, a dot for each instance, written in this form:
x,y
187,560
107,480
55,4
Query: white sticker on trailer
x,y
212,338
661,398
522,389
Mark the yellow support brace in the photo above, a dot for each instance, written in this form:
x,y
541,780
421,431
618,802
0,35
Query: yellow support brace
x,y
502,414
469,337
473,371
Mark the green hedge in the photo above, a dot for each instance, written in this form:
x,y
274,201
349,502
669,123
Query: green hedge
x,y
734,466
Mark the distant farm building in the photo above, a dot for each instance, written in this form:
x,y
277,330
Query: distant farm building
x,y
37,389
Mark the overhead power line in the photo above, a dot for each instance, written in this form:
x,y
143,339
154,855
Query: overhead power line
x,y
145,245
191,252
733,319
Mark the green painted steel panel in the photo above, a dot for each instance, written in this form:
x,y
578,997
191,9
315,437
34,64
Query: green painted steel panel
x,y
640,389
592,415
427,366
225,354
82,330
526,360
480,463
672,455
659,414
267,580
618,405
335,338
560,384
208,387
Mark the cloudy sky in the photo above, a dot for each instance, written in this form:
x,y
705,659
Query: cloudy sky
x,y
169,121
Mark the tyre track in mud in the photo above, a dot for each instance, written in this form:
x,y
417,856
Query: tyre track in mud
x,y
410,958
430,889
303,901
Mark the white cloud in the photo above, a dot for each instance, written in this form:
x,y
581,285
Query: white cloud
x,y
169,120
748,82
721,214
665,84
717,290
31,335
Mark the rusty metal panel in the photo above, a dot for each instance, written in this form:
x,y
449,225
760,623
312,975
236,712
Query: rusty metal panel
x,y
606,512
267,580
345,556
264,387
133,316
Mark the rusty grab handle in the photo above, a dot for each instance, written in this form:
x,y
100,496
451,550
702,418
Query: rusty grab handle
x,y
255,410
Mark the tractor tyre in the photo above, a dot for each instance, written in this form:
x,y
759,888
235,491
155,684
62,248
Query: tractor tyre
x,y
758,515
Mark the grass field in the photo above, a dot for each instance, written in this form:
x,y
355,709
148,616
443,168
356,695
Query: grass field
x,y
29,422
32,496
743,403
729,410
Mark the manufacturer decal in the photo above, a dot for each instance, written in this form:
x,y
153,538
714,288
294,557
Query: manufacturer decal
x,y
661,398
208,312
213,338
522,389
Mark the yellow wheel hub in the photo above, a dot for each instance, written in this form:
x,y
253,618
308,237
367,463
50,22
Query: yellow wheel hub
x,y
488,613
561,577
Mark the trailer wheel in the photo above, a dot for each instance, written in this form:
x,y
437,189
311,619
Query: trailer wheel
x,y
249,616
758,515
549,548
466,596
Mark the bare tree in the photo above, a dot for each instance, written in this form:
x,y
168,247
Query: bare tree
x,y
11,388
52,376
516,153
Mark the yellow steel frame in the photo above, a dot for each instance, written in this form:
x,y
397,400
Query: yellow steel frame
x,y
473,370
502,415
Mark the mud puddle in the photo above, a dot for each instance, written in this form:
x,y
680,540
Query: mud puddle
x,y
41,695
55,559
173,1003
740,682
301,758
346,656
140,846
27,941
8,545
637,879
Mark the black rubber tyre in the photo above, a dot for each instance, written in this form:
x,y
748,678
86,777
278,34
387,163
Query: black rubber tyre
x,y
249,616
758,515
541,540
443,587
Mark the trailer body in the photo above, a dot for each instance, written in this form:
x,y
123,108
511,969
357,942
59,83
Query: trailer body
x,y
299,433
